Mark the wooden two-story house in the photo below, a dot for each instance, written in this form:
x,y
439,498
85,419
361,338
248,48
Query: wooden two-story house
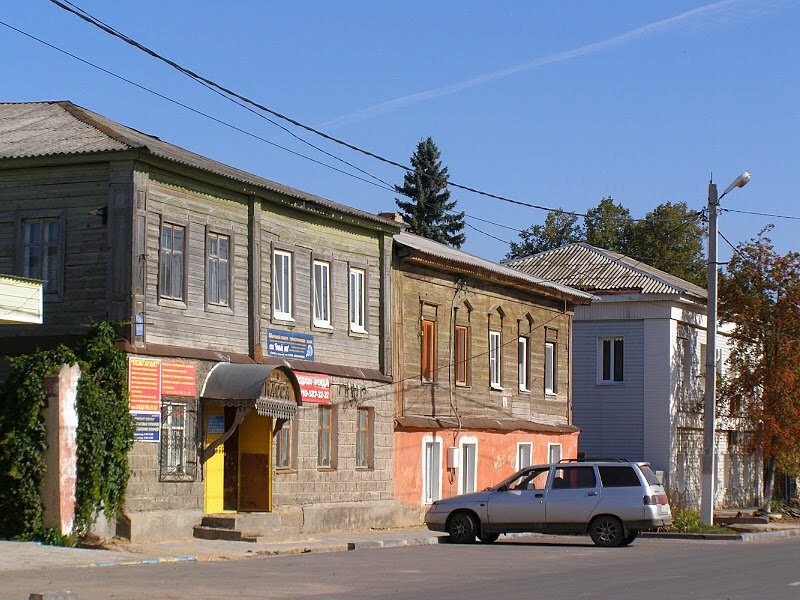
x,y
483,371
259,324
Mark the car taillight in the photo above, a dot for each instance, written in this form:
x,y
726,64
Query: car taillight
x,y
654,499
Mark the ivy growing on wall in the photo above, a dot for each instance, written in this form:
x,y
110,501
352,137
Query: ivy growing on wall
x,y
104,436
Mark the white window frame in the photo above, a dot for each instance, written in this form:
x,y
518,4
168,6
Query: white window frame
x,y
495,369
550,368
520,445
282,309
321,284
467,441
429,496
46,258
600,342
358,302
550,447
522,362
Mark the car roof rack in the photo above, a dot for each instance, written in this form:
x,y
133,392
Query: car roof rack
x,y
592,459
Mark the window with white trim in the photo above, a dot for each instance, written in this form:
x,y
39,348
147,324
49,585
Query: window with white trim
x,y
522,362
610,359
172,266
282,285
41,251
494,359
553,453
321,293
469,466
358,297
524,454
549,368
431,470
217,269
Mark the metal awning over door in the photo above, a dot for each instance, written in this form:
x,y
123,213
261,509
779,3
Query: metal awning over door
x,y
248,387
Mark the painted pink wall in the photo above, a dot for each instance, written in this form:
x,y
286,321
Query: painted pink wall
x,y
497,456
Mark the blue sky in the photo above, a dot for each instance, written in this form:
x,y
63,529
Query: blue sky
x,y
553,103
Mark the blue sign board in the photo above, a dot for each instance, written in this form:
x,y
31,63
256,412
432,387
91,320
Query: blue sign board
x,y
216,424
146,426
290,345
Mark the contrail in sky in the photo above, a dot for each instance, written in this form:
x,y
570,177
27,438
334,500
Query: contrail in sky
x,y
639,32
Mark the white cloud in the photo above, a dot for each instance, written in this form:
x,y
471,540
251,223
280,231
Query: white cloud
x,y
624,38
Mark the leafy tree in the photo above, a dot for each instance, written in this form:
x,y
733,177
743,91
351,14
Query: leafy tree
x,y
428,210
609,226
559,229
760,295
671,239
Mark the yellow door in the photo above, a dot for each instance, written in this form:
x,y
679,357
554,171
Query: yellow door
x,y
255,463
215,427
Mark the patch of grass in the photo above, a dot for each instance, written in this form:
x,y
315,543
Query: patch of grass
x,y
688,521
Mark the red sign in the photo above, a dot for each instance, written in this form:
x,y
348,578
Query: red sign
x,y
144,384
314,387
178,379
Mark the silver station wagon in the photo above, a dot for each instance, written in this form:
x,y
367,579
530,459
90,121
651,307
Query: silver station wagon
x,y
611,500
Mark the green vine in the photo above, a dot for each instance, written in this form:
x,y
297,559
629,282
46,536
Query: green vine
x,y
104,436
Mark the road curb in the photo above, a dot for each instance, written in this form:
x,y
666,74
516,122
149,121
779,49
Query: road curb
x,y
748,536
145,561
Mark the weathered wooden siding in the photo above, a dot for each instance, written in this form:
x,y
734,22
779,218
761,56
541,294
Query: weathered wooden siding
x,y
309,237
416,285
71,191
191,324
610,416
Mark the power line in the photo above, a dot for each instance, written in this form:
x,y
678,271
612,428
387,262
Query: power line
x,y
194,110
762,214
230,95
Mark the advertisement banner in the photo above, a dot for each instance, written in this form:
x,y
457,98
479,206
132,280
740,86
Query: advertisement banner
x,y
314,387
146,426
290,345
178,379
144,384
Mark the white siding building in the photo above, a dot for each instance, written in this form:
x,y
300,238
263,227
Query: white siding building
x,y
638,375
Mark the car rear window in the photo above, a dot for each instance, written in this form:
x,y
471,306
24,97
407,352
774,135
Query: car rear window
x,y
619,477
649,475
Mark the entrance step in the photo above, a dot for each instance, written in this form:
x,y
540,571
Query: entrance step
x,y
248,527
220,533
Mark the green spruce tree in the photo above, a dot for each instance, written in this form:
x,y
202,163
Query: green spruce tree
x,y
427,209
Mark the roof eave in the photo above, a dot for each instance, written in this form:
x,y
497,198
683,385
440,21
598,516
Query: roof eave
x,y
494,277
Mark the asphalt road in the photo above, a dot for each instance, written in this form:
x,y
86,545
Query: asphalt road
x,y
543,567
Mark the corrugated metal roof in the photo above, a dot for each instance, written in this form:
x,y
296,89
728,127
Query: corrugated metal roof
x,y
589,268
443,251
47,128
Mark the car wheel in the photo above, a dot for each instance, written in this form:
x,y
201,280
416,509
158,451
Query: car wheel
x,y
629,537
607,532
461,528
488,538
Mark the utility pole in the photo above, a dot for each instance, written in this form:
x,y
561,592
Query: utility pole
x,y
710,399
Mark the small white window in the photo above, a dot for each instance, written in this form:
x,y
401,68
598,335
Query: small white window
x,y
42,257
494,359
610,360
469,466
524,454
431,470
321,293
522,362
549,368
357,300
553,453
282,285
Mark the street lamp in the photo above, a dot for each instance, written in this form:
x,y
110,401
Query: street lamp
x,y
710,399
